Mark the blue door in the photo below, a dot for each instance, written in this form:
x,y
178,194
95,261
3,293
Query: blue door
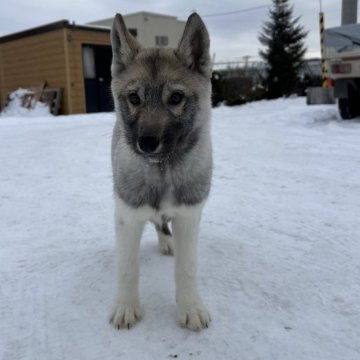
x,y
97,78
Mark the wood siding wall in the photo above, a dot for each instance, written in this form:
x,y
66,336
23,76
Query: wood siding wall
x,y
30,60
54,57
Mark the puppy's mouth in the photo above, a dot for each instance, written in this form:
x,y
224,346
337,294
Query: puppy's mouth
x,y
154,159
157,158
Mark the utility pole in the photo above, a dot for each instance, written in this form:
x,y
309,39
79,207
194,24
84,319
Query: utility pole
x,y
323,64
246,60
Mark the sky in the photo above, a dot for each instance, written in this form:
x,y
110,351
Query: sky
x,y
232,36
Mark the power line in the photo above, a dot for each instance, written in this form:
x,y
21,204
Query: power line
x,y
236,11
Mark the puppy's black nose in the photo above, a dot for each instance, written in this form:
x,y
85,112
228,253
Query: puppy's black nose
x,y
148,144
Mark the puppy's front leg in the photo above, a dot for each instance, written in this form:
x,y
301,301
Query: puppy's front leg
x,y
191,312
128,231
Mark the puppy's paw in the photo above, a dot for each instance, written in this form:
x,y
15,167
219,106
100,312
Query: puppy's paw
x,y
193,315
125,316
166,246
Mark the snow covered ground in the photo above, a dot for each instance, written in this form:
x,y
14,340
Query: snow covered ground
x,y
279,265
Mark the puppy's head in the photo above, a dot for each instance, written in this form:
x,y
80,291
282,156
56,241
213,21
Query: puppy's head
x,y
162,96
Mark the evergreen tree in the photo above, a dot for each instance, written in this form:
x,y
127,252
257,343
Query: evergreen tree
x,y
283,39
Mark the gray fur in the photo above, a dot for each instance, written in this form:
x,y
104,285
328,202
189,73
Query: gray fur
x,y
181,171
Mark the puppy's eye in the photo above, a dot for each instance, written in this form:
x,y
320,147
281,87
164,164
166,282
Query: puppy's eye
x,y
134,99
176,98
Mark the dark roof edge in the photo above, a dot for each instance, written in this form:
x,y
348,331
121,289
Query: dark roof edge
x,y
35,31
46,28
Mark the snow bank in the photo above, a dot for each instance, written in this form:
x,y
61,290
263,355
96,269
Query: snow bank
x,y
15,108
278,253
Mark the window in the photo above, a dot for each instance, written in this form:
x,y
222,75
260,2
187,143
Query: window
x,y
161,40
88,62
133,32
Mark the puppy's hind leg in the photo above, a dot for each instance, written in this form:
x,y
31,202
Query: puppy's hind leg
x,y
165,239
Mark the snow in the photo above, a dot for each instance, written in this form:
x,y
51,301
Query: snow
x,y
15,108
278,255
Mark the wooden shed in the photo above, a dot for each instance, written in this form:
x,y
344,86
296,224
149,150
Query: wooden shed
x,y
64,55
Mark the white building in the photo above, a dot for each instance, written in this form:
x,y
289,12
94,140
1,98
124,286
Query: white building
x,y
150,29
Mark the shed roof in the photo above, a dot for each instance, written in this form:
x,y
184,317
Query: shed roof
x,y
50,27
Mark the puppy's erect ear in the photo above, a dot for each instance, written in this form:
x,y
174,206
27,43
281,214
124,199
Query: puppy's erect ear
x,y
193,49
124,46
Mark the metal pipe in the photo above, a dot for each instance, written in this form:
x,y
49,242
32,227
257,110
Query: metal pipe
x,y
349,12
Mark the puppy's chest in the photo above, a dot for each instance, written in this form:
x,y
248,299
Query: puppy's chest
x,y
159,188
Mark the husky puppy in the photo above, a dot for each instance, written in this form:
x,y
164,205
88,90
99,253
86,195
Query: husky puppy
x,y
161,159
